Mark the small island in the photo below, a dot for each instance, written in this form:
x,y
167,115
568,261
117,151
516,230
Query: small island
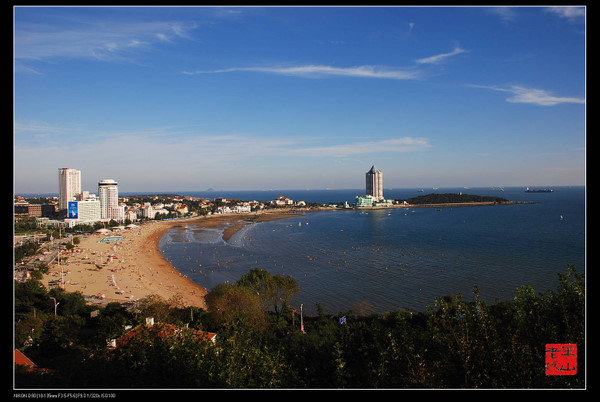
x,y
455,200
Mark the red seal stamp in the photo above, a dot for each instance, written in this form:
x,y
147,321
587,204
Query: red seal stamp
x,y
561,359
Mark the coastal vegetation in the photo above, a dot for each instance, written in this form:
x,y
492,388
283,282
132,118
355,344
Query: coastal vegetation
x,y
263,343
452,198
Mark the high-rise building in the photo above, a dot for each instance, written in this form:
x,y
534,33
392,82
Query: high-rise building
x,y
108,192
375,183
69,186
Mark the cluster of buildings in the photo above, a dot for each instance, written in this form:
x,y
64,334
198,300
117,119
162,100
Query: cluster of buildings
x,y
83,207
76,206
241,207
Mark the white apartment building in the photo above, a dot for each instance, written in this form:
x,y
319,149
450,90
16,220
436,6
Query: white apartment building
x,y
108,193
148,211
374,183
69,186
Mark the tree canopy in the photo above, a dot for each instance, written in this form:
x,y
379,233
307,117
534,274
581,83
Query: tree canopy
x,y
453,344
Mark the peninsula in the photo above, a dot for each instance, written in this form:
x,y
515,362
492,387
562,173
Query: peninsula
x,y
443,200
456,200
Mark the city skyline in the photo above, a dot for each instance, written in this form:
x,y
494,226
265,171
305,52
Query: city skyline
x,y
250,98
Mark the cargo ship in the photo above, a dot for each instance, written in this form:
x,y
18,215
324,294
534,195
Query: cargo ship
x,y
542,190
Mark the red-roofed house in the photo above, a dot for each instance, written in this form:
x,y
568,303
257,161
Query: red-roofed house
x,y
165,331
22,360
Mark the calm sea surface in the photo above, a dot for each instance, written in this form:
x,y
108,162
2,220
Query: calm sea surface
x,y
381,260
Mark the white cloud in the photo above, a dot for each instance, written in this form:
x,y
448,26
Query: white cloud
x,y
533,96
318,71
439,58
573,14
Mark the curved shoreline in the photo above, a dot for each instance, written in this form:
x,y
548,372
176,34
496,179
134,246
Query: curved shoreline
x,y
125,271
134,268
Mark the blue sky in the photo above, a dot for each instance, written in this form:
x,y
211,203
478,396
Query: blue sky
x,y
250,98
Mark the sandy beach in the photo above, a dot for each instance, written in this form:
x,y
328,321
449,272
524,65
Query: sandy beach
x,y
132,268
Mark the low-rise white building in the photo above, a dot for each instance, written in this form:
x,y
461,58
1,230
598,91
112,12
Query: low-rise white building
x,y
242,209
83,212
131,214
282,201
148,211
237,209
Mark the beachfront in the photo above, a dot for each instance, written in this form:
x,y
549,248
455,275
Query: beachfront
x,y
132,267
127,266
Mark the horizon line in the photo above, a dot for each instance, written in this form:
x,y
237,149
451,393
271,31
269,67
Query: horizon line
x,y
179,192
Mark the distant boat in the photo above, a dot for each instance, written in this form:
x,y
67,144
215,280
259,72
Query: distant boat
x,y
541,190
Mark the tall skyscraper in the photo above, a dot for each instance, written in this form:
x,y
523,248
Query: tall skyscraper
x,y
69,186
108,192
375,183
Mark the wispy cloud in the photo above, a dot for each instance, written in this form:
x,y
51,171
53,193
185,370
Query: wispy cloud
x,y
506,14
392,145
319,71
439,58
323,71
92,40
42,148
187,140
533,96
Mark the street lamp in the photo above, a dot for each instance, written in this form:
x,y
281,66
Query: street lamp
x,y
55,304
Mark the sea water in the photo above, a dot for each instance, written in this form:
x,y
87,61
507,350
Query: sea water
x,y
371,261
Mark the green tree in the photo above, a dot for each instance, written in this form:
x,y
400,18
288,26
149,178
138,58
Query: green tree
x,y
30,296
154,306
245,361
27,249
70,303
275,291
109,323
230,305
